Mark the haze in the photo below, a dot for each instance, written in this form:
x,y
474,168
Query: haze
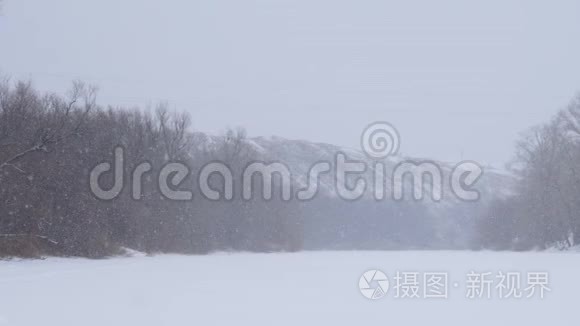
x,y
459,80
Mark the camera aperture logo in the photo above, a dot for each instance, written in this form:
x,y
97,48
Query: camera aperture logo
x,y
373,284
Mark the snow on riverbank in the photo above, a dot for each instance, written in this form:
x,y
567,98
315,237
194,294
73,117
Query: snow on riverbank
x,y
311,288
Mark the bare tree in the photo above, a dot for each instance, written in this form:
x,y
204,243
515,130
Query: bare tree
x,y
544,211
61,121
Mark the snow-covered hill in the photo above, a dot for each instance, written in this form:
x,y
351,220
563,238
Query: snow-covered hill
x,y
331,222
300,155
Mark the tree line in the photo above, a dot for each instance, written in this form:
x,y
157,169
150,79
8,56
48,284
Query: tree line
x,y
49,143
544,209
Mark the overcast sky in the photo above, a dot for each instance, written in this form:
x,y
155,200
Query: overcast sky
x,y
455,77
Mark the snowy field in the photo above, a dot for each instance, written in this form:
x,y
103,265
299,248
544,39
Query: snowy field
x,y
313,288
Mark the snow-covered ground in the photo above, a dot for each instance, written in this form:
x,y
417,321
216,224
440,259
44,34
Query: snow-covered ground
x,y
311,288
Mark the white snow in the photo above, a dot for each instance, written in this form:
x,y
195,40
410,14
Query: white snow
x,y
311,288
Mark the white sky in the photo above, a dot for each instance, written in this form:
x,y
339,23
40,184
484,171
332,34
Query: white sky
x,y
453,76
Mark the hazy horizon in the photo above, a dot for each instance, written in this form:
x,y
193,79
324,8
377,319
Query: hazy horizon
x,y
458,80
